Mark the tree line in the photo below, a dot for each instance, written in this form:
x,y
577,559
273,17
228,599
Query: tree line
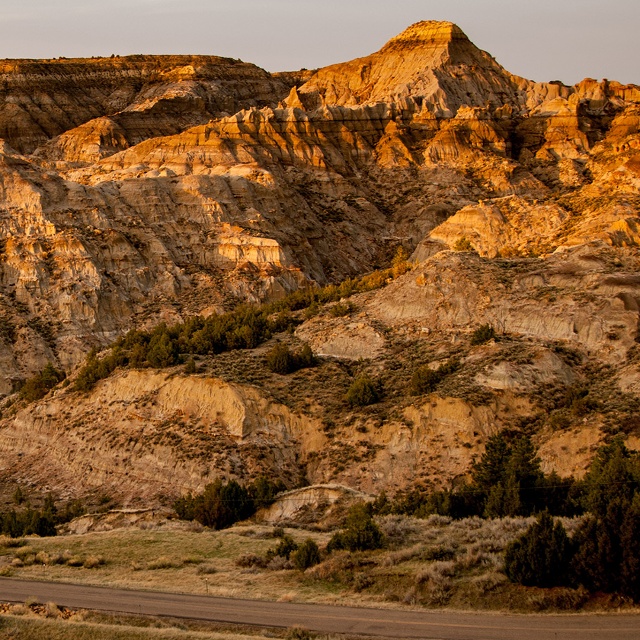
x,y
27,520
506,481
604,553
223,503
246,327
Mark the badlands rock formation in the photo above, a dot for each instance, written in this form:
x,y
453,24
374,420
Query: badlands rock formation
x,y
144,189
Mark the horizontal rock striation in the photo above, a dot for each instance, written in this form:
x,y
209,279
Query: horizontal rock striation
x,y
144,189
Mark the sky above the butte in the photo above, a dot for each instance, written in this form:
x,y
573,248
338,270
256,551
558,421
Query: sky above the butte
x,y
542,40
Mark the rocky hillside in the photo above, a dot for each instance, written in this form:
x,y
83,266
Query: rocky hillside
x,y
145,189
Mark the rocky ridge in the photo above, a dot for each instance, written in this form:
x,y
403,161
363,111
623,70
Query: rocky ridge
x,y
145,189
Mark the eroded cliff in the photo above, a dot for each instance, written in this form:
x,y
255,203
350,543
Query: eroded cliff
x,y
145,189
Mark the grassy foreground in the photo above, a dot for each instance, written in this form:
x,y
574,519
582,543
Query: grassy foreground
x,y
436,562
168,559
48,622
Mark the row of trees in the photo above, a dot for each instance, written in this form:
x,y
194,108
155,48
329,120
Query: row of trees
x,y
245,327
505,481
42,522
39,385
604,553
222,504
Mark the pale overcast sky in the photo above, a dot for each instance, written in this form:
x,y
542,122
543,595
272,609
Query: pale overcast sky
x,y
540,39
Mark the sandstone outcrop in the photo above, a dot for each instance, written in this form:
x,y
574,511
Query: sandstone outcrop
x,y
143,434
153,188
42,99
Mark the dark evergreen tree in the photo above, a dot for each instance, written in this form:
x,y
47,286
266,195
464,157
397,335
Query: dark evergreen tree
x,y
39,385
540,557
307,555
263,491
163,350
604,543
507,478
220,505
490,469
630,544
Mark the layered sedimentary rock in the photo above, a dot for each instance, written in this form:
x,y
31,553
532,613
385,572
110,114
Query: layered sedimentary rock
x,y
145,189
145,95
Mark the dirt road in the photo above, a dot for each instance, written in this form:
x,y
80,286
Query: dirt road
x,y
441,625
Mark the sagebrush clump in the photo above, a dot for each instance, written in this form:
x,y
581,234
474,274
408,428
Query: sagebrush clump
x,y
362,392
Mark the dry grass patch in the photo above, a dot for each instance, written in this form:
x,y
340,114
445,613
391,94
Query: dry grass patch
x,y
434,562
163,560
26,628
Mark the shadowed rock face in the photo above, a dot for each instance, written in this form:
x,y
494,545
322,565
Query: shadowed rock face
x,y
151,188
148,95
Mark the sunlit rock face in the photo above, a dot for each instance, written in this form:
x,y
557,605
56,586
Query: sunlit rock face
x,y
149,188
145,189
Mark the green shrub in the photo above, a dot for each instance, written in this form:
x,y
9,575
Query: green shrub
x,y
7,330
307,555
305,358
425,380
541,556
19,496
342,309
360,532
483,334
190,367
280,359
559,420
362,392
604,553
41,522
98,369
37,387
463,244
505,481
507,477
297,633
284,548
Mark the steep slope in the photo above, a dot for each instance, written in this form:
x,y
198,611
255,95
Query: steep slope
x,y
563,366
431,65
150,189
41,99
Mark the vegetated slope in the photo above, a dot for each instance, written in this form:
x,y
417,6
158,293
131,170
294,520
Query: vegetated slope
x,y
176,186
146,195
560,362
